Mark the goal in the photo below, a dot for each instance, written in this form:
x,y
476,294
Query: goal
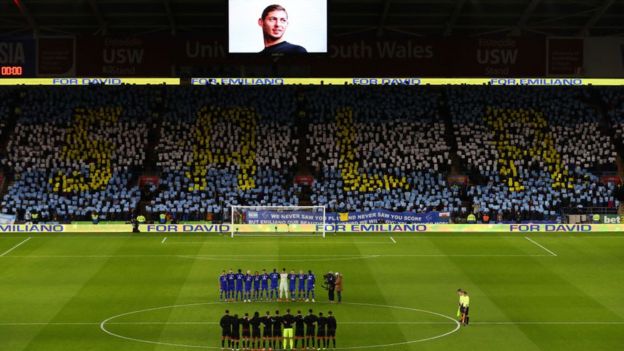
x,y
277,220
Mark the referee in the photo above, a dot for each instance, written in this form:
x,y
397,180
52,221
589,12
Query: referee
x,y
331,329
464,308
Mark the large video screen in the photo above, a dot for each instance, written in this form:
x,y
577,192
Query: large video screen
x,y
277,27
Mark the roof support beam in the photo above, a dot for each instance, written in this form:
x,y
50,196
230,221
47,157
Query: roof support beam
x,y
448,30
170,17
527,13
27,15
98,15
597,15
384,17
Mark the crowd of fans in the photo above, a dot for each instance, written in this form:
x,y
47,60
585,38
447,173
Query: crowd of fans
x,y
530,152
379,148
74,152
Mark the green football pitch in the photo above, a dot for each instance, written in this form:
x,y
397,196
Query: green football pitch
x,y
148,292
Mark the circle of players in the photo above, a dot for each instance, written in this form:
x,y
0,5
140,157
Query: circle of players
x,y
266,286
277,332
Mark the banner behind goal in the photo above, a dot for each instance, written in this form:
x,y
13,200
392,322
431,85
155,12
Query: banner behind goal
x,y
286,219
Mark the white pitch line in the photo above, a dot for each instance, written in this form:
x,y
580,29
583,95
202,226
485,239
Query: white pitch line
x,y
534,242
14,247
163,240
342,323
394,241
257,256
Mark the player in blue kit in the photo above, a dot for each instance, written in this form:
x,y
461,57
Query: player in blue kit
x,y
274,277
311,279
264,279
223,286
248,282
256,286
292,279
301,278
239,284
231,284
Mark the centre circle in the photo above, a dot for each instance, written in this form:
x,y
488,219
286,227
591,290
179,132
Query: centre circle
x,y
110,320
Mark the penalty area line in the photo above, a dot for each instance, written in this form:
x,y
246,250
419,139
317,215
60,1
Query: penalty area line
x,y
14,247
536,243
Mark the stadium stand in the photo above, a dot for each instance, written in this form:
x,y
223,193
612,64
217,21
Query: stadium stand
x,y
532,151
75,151
379,147
226,146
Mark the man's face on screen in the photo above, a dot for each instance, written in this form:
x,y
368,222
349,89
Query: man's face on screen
x,y
274,24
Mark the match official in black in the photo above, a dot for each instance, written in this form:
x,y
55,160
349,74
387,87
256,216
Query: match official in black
x,y
321,332
299,330
331,329
277,331
235,332
310,322
267,333
226,330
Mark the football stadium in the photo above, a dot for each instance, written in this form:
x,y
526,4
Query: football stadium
x,y
311,175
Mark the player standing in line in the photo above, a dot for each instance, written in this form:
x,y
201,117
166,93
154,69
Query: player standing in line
x,y
292,279
245,324
310,321
226,330
256,286
267,332
287,321
331,329
239,284
310,281
235,332
299,330
255,331
231,282
264,279
321,332
223,286
248,282
277,331
274,276
283,286
301,278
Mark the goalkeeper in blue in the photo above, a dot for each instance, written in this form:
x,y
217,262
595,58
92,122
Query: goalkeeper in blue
x,y
292,280
310,283
301,278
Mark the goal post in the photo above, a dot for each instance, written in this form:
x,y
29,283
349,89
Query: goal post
x,y
309,220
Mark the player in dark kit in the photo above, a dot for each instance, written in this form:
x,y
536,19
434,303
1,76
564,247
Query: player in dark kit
x,y
331,329
277,330
226,329
267,333
235,332
299,330
321,332
245,324
255,331
310,321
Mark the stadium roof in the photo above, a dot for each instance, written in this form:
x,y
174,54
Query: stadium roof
x,y
370,17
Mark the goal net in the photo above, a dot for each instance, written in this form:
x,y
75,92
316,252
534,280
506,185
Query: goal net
x,y
277,220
